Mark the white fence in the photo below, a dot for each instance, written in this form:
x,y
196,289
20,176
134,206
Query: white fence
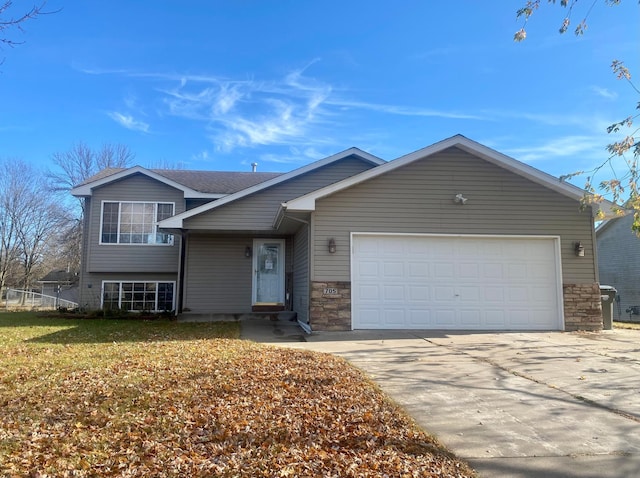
x,y
27,300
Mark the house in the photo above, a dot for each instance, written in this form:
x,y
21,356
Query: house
x,y
618,264
61,284
453,236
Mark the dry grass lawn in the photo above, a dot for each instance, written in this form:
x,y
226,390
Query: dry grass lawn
x,y
132,399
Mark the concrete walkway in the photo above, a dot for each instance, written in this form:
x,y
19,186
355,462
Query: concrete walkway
x,y
535,404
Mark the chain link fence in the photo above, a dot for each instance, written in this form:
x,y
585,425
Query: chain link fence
x,y
14,299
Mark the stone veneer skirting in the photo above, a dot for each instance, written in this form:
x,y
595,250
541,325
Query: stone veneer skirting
x,y
582,307
330,306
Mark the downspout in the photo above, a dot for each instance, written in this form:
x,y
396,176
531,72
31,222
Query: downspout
x,y
183,254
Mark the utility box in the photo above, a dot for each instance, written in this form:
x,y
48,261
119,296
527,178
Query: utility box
x,y
607,297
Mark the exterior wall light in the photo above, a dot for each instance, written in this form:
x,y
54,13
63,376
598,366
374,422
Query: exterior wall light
x,y
578,248
332,246
247,251
460,199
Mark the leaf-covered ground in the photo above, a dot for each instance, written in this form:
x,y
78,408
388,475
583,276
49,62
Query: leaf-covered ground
x,y
133,399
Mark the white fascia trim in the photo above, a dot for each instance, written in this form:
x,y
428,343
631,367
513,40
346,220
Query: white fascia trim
x,y
177,221
87,189
307,202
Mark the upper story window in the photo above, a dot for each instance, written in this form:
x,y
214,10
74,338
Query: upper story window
x,y
134,222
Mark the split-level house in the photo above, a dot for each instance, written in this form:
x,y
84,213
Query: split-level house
x,y
453,236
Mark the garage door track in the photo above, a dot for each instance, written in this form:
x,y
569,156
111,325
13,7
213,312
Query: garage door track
x,y
526,404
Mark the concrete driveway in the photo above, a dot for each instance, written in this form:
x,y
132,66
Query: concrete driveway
x,y
534,404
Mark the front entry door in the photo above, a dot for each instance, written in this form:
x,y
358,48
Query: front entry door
x,y
268,271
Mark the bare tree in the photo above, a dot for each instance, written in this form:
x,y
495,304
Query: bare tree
x,y
75,166
80,162
9,21
8,234
30,217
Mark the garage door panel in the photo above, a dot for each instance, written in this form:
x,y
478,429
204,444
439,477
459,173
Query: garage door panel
x,y
494,294
394,292
470,318
419,318
444,270
468,294
393,269
369,292
370,269
469,270
455,282
496,318
493,271
418,270
517,272
443,293
418,293
445,318
394,318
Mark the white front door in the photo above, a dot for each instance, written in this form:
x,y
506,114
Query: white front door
x,y
268,271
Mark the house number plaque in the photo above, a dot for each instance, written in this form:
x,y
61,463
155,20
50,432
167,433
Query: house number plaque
x,y
330,291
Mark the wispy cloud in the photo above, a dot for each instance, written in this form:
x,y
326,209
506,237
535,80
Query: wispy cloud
x,y
128,121
294,155
294,109
562,147
406,110
604,92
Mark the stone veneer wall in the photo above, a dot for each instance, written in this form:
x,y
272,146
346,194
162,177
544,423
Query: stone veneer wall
x,y
330,306
582,307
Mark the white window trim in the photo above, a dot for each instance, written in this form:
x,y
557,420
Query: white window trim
x,y
155,203
120,282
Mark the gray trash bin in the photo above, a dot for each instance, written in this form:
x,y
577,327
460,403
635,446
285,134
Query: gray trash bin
x,y
607,297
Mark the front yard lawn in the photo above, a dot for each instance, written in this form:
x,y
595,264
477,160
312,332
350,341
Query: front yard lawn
x,y
159,398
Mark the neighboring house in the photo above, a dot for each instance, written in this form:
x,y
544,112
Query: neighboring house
x,y
619,264
60,284
453,236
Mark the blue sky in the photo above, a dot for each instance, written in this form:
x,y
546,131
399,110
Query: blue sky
x,y
217,85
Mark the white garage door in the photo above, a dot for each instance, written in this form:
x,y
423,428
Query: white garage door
x,y
468,282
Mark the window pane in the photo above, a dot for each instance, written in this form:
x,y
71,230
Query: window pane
x,y
110,298
110,222
165,211
165,296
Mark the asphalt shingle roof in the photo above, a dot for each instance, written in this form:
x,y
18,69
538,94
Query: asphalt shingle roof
x,y
211,182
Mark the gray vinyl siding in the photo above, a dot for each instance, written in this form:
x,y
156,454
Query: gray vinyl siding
x,y
218,275
301,273
418,198
619,263
257,211
131,258
91,286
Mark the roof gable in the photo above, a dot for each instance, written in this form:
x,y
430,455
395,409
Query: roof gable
x,y
307,202
177,221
